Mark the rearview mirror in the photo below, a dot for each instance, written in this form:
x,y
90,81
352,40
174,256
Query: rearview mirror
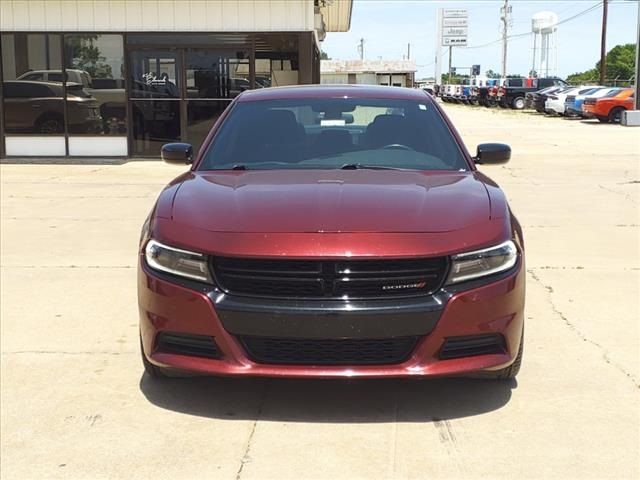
x,y
177,153
492,154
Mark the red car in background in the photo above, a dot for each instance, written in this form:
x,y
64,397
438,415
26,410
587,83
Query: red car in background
x,y
332,231
609,109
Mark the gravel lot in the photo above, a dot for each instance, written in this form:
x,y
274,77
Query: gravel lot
x,y
75,404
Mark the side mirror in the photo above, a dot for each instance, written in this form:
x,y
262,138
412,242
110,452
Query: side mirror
x,y
492,154
177,153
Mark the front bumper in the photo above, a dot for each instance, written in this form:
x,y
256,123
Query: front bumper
x,y
167,305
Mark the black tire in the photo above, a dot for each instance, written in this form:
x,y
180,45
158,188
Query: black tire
x,y
154,372
50,124
518,103
615,115
510,372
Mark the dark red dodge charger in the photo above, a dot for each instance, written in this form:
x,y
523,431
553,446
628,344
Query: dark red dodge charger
x,y
332,231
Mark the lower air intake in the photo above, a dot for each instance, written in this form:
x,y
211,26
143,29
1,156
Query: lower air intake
x,y
329,352
460,347
187,344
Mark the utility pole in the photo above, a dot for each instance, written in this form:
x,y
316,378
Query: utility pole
x,y
603,44
637,94
408,51
450,50
361,49
505,13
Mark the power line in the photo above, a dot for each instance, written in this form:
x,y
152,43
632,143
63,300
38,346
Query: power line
x,y
526,34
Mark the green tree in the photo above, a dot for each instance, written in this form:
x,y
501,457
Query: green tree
x,y
621,63
456,79
86,56
589,76
491,74
324,56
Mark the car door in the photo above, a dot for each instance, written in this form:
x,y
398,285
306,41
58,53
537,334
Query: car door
x,y
16,102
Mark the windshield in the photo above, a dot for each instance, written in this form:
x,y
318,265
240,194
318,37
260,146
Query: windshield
x,y
334,133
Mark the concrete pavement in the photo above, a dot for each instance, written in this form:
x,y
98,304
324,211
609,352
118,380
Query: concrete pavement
x,y
75,404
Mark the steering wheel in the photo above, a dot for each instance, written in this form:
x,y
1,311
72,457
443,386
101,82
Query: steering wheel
x,y
397,146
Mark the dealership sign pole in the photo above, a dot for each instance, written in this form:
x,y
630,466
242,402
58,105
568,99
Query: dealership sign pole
x,y
453,27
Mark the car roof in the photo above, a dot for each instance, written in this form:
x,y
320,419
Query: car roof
x,y
334,91
38,82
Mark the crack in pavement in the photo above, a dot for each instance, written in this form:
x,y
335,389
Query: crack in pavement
x,y
246,458
628,197
513,174
579,333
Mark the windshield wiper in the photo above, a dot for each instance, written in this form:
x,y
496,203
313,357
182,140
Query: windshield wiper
x,y
238,166
360,166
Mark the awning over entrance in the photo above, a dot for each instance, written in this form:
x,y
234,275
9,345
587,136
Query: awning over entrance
x,y
336,14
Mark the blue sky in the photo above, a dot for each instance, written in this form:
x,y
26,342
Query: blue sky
x,y
388,25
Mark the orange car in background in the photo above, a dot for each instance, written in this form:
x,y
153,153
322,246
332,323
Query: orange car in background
x,y
609,109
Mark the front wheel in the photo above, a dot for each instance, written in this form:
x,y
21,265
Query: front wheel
x,y
151,370
512,370
518,103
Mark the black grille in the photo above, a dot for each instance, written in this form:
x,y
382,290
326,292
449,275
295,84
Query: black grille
x,y
295,351
187,344
330,278
459,347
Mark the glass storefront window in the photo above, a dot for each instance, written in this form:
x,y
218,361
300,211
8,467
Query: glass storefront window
x,y
70,93
155,74
32,89
276,60
96,100
212,74
201,115
155,122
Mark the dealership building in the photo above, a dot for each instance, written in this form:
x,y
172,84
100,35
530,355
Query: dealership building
x,y
395,73
141,73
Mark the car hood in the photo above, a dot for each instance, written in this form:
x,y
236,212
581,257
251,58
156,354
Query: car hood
x,y
330,201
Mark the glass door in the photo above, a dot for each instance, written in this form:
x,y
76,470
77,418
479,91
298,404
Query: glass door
x,y
178,94
213,78
155,93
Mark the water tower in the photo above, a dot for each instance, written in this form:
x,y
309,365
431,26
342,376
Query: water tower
x,y
545,57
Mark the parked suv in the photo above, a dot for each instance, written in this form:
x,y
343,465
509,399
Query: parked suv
x,y
38,107
332,231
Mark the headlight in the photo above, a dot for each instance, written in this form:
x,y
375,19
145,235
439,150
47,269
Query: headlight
x,y
178,262
471,265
